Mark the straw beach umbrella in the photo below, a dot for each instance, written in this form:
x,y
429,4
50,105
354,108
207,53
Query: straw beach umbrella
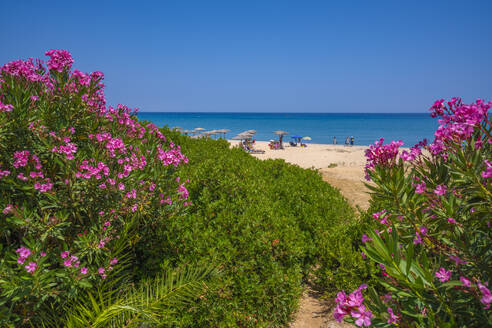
x,y
199,129
224,131
307,138
280,134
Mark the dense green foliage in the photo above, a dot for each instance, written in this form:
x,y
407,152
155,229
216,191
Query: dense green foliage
x,y
268,224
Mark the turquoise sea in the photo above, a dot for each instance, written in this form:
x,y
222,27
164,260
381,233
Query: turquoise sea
x,y
365,128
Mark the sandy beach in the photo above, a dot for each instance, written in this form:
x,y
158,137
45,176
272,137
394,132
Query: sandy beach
x,y
341,166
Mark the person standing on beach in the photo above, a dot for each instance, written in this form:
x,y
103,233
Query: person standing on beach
x,y
347,141
335,140
352,140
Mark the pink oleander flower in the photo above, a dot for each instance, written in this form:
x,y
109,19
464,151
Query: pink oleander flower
x,y
84,270
5,107
121,186
417,240
381,216
20,158
23,252
43,187
31,267
365,238
381,155
4,173
452,221
440,190
132,194
7,209
457,124
346,304
59,60
113,261
363,317
67,263
387,297
488,171
420,188
183,192
101,270
443,275
42,254
423,230
465,281
21,176
64,254
101,244
393,319
486,295
134,208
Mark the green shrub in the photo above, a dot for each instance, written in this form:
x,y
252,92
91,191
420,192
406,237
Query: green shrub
x,y
268,224
80,186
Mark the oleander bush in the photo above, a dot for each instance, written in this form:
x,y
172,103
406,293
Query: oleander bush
x,y
81,186
433,243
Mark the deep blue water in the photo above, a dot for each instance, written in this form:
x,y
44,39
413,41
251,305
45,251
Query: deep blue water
x,y
365,128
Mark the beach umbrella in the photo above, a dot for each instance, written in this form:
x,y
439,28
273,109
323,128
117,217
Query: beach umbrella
x,y
307,138
297,139
214,132
224,131
251,131
280,134
199,129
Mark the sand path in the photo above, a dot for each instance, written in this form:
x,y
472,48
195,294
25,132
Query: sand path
x,y
343,168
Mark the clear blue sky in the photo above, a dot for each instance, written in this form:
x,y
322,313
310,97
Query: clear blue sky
x,y
265,56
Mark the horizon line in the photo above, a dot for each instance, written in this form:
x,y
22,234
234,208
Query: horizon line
x,y
169,112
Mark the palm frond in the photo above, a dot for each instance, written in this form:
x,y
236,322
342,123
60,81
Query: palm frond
x,y
151,302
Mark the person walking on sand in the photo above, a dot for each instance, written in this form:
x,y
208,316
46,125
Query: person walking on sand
x,y
347,141
352,141
335,140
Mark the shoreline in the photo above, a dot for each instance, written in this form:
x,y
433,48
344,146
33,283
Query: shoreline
x,y
318,156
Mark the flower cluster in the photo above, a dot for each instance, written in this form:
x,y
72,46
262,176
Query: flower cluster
x,y
352,304
381,155
60,60
457,122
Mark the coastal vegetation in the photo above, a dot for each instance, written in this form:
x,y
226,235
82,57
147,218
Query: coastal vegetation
x,y
432,205
107,221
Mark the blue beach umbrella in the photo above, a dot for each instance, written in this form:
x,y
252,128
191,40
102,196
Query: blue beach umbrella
x,y
297,139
